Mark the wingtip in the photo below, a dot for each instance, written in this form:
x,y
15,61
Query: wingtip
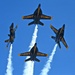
x,y
67,47
25,61
6,46
39,61
50,36
28,24
50,25
51,18
22,17
5,41
18,54
46,54
42,25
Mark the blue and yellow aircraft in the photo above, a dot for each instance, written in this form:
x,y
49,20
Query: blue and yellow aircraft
x,y
11,35
36,16
59,35
33,53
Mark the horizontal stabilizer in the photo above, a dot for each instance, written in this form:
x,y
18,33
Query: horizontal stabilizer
x,y
53,37
9,35
31,23
27,59
36,23
7,45
64,42
41,23
37,60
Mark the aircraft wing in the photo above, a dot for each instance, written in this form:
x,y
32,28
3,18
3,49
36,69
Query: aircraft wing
x,y
7,40
28,17
45,17
25,54
54,29
64,42
41,54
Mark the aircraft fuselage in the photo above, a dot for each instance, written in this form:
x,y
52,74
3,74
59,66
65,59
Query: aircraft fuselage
x,y
12,32
33,53
59,35
37,15
11,39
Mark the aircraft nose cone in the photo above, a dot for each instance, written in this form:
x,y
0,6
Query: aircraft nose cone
x,y
39,5
63,25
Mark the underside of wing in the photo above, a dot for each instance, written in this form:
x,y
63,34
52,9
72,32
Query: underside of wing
x,y
45,17
28,17
54,29
25,54
41,54
64,42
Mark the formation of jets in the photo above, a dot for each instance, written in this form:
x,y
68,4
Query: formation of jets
x,y
37,16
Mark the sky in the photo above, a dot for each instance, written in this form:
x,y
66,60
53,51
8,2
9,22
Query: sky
x,y
63,12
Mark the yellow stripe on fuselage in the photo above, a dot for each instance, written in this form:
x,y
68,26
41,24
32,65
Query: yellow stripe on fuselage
x,y
34,49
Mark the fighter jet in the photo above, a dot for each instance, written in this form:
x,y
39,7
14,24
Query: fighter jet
x,y
11,35
59,35
33,53
36,16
